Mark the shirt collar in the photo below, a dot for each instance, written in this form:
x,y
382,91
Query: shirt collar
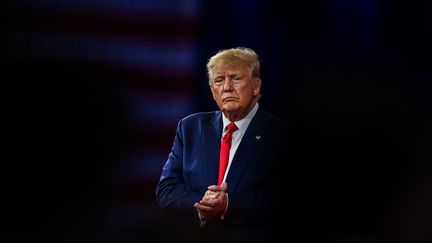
x,y
243,123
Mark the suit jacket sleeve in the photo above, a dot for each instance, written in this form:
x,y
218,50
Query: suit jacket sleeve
x,y
172,192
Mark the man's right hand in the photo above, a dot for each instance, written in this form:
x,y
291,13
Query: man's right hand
x,y
213,203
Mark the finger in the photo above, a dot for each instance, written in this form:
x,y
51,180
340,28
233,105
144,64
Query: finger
x,y
210,198
211,194
216,188
220,195
196,205
211,203
203,207
208,192
214,202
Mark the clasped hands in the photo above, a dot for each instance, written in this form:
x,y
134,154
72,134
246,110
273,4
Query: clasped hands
x,y
213,203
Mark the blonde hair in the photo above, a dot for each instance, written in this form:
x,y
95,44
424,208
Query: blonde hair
x,y
233,57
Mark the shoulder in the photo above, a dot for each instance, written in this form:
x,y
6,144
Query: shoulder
x,y
273,120
199,118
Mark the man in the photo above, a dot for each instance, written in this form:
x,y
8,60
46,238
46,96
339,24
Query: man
x,y
229,167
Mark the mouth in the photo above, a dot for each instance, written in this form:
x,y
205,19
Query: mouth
x,y
228,99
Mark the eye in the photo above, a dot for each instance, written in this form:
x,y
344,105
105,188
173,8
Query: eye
x,y
218,81
238,79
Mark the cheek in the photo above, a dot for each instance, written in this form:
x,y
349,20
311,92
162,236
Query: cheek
x,y
217,97
217,94
247,92
214,93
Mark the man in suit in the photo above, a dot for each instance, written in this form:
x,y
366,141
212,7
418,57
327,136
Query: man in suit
x,y
236,184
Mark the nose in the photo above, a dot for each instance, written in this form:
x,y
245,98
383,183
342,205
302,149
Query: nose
x,y
227,85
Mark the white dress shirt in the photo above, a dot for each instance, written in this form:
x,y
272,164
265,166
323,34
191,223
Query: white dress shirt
x,y
237,135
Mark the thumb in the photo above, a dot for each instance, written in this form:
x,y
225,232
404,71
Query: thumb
x,y
224,186
216,188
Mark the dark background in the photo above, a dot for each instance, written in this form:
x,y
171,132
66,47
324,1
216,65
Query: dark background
x,y
93,90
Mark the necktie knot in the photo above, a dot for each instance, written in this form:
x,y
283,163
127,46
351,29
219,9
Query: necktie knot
x,y
232,127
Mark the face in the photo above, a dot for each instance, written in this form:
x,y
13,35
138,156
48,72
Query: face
x,y
234,90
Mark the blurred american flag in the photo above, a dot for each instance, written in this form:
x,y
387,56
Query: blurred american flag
x,y
148,49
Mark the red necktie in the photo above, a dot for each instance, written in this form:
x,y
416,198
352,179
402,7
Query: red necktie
x,y
224,151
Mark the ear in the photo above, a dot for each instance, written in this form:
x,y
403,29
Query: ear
x,y
257,87
256,91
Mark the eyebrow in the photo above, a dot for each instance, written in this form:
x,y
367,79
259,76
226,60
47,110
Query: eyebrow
x,y
216,76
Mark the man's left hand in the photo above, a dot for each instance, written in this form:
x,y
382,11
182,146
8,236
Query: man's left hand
x,y
213,203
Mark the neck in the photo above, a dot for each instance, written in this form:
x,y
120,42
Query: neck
x,y
232,117
238,115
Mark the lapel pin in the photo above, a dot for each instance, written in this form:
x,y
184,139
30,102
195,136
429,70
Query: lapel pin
x,y
258,137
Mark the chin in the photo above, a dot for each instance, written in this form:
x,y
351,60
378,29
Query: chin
x,y
230,108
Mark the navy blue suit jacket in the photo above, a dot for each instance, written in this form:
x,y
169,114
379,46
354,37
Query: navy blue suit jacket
x,y
256,178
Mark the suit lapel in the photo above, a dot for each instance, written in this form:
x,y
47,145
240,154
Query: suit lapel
x,y
255,133
211,145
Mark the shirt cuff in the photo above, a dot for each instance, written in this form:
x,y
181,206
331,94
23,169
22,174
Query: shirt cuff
x,y
202,220
226,208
